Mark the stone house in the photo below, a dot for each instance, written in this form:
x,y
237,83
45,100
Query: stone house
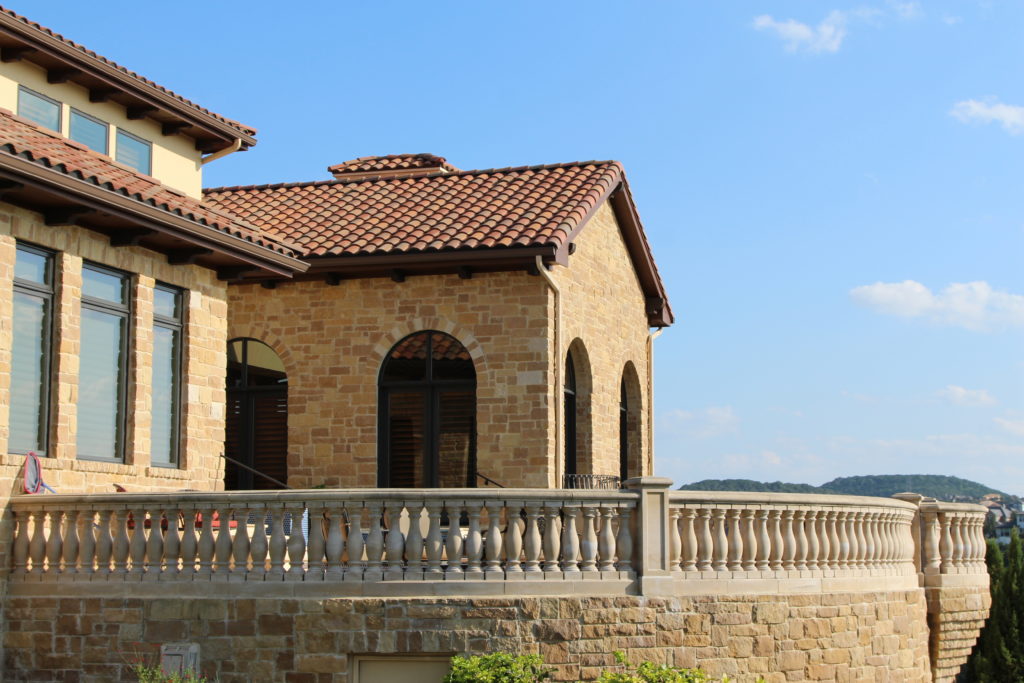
x,y
450,373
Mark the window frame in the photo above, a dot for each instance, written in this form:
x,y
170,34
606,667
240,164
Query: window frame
x,y
35,93
176,325
126,311
117,149
106,126
48,293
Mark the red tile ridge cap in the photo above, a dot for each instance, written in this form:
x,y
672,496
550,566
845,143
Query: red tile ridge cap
x,y
480,171
51,34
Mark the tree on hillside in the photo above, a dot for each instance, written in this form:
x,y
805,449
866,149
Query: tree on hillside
x,y
999,653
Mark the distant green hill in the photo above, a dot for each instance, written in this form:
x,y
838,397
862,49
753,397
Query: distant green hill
x,y
882,485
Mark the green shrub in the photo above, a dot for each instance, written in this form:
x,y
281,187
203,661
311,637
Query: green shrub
x,y
648,672
153,674
497,668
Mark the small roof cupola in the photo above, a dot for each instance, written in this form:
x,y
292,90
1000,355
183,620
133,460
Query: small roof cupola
x,y
391,166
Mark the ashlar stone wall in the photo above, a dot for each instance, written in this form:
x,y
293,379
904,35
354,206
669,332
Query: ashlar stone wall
x,y
840,637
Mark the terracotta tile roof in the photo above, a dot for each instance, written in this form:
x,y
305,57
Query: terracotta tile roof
x,y
391,162
23,138
525,206
247,130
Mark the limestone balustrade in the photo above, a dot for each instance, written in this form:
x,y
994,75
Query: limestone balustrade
x,y
645,539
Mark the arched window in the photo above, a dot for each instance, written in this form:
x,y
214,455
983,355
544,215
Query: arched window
x,y
427,434
256,429
623,432
571,432
630,424
577,388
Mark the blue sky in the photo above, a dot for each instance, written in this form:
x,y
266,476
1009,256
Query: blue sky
x,y
832,190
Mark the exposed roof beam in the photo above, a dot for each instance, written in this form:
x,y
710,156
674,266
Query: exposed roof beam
x,y
174,127
15,54
234,272
184,257
65,215
130,238
101,94
8,186
465,273
60,75
397,275
333,279
140,112
269,284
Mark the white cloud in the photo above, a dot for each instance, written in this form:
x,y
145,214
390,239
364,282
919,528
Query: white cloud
x,y
827,36
712,421
906,10
971,305
1012,426
966,397
950,20
991,110
770,458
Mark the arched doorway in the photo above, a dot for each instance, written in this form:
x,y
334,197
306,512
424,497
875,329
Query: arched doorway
x,y
427,413
256,429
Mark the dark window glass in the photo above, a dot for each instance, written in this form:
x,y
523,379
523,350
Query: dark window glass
x,y
256,429
427,414
623,432
134,152
39,108
166,383
30,351
89,131
102,389
569,394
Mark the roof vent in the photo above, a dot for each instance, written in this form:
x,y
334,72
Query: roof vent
x,y
405,165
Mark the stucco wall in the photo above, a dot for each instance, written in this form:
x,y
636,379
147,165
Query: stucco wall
x,y
838,637
333,340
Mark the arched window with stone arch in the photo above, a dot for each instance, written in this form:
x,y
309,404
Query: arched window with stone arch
x,y
427,414
630,427
576,391
256,427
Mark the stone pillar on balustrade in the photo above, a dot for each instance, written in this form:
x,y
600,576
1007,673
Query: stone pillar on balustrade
x,y
652,545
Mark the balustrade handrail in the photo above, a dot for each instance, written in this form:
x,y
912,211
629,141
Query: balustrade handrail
x,y
776,499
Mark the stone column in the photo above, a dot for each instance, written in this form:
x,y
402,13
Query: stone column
x,y
652,545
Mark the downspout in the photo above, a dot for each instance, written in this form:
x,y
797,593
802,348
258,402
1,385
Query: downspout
x,y
557,404
650,397
231,149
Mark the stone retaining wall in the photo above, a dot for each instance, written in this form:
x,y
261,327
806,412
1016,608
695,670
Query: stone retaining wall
x,y
834,637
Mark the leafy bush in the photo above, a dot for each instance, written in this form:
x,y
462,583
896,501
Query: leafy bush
x,y
648,672
153,674
497,668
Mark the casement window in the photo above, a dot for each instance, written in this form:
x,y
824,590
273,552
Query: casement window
x,y
134,151
89,130
39,108
166,384
30,352
103,363
256,428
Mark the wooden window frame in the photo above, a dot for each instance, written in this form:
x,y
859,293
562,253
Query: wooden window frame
x,y
47,293
175,324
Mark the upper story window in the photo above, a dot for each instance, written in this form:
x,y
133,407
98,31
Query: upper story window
x,y
39,108
135,152
166,384
102,381
30,352
89,130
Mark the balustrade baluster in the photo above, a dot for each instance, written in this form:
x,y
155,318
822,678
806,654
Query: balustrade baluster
x,y
137,542
514,527
763,555
316,545
296,543
414,540
189,543
719,558
813,544
532,544
606,541
259,547
624,541
552,533
375,541
334,546
833,539
675,543
172,544
864,537
55,543
434,541
356,544
734,559
892,540
930,533
843,556
394,544
453,543
945,544
588,540
800,534
492,548
570,540
706,550
474,543
689,535
276,545
875,546
121,541
749,539
978,543
778,547
241,546
21,541
222,543
788,541
856,538
958,540
154,550
71,543
207,544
